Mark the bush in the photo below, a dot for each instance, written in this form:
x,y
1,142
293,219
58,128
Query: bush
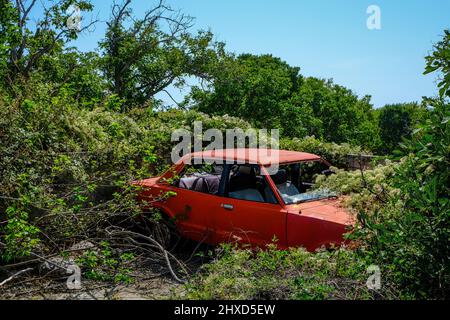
x,y
275,274
62,162
336,154
362,191
410,233
61,169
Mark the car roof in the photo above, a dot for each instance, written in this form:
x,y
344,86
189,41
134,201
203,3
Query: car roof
x,y
263,157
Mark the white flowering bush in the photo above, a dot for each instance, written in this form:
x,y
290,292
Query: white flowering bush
x,y
361,190
336,154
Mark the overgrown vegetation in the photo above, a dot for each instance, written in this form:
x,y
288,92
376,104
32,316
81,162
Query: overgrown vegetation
x,y
276,274
76,128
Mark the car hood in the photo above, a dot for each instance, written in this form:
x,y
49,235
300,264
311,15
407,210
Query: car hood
x,y
326,209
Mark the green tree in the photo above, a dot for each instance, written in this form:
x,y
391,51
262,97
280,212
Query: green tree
x,y
142,57
24,42
397,122
76,73
270,93
343,116
255,88
440,60
410,235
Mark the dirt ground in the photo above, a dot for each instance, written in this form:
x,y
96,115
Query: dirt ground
x,y
143,287
149,282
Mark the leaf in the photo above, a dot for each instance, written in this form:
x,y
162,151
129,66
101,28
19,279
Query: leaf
x,y
430,69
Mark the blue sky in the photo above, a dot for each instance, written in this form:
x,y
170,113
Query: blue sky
x,y
325,38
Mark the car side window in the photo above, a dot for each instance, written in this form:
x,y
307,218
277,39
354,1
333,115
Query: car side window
x,y
245,182
203,178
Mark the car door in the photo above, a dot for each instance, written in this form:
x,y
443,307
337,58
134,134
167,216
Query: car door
x,y
192,210
246,221
193,213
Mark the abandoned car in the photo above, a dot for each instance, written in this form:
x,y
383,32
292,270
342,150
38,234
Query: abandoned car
x,y
232,197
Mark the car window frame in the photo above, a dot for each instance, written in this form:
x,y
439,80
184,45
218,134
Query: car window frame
x,y
183,166
273,185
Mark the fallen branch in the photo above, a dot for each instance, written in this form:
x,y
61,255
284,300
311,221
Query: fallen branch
x,y
128,235
15,275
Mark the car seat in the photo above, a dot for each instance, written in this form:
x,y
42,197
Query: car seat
x,y
205,183
285,187
243,185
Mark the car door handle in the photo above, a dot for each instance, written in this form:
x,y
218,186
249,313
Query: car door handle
x,y
227,206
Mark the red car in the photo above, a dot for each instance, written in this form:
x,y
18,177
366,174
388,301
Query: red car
x,y
240,201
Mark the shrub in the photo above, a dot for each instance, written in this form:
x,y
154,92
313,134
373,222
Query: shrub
x,y
20,236
61,169
276,274
107,264
336,154
65,168
410,233
366,190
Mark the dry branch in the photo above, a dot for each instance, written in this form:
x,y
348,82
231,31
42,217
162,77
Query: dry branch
x,y
15,275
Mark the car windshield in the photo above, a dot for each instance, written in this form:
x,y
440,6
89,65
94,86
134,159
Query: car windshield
x,y
308,196
295,182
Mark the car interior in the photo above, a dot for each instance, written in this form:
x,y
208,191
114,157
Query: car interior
x,y
295,181
246,183
284,186
205,179
296,178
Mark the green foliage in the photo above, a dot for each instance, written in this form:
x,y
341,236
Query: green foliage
x,y
62,166
76,73
397,122
439,61
403,209
143,56
276,274
410,232
162,124
106,264
251,87
340,115
19,235
25,42
362,191
269,93
336,154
